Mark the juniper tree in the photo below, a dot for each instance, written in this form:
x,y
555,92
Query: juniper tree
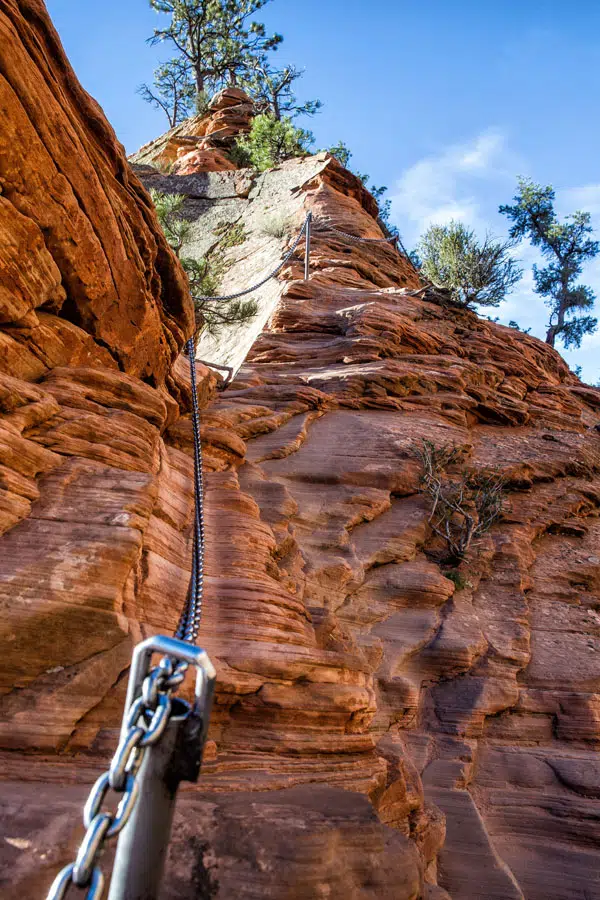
x,y
475,274
217,38
567,246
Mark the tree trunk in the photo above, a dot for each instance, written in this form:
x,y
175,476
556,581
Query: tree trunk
x,y
199,76
553,330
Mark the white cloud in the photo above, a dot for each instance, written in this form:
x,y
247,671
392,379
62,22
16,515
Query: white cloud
x,y
586,197
466,182
447,185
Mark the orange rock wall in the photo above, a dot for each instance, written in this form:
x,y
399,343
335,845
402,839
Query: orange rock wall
x,y
93,313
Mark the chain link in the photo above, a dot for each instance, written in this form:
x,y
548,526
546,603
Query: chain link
x,y
146,721
354,237
319,227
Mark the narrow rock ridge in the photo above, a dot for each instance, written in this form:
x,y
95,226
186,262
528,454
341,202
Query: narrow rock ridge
x,y
473,701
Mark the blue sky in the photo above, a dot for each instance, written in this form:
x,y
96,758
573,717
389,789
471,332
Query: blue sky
x,y
444,101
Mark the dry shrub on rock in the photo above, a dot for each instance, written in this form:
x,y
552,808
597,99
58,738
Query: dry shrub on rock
x,y
464,504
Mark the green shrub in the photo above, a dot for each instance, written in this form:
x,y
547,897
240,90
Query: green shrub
x,y
451,257
271,141
231,234
204,274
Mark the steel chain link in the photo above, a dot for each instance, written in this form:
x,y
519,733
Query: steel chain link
x,y
355,237
146,721
318,227
272,274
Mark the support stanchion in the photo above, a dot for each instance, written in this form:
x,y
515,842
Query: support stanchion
x,y
307,251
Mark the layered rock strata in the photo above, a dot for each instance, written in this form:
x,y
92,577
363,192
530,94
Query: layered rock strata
x,y
95,520
201,144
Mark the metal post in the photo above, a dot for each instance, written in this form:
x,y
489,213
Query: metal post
x,y
176,757
143,843
307,250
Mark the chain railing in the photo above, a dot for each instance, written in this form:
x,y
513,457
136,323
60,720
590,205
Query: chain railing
x,y
309,227
148,713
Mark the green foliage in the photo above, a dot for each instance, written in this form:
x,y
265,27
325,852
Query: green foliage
x,y
169,209
272,90
341,152
517,327
174,91
464,504
459,580
219,44
277,226
216,38
240,155
271,141
416,260
451,257
567,246
232,234
204,274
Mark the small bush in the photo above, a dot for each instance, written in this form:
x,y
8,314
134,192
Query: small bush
x,y
277,226
474,273
271,141
464,504
231,234
240,155
458,579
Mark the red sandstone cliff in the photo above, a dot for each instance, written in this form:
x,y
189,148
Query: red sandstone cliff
x,y
377,732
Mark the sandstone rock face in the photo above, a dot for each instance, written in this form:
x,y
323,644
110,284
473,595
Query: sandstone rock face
x,y
250,221
380,730
200,144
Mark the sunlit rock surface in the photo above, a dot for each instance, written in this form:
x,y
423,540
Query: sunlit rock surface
x,y
377,731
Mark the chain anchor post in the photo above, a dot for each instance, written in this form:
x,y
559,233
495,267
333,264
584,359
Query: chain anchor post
x,y
307,247
176,757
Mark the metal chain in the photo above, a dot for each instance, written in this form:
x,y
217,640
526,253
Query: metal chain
x,y
354,237
289,254
149,714
147,717
272,274
189,622
146,721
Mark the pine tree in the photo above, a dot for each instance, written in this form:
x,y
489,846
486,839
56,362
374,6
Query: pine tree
x,y
270,142
567,246
216,38
174,91
272,90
